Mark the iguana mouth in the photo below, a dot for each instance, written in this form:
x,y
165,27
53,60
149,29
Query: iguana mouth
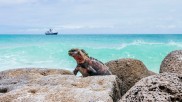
x,y
78,58
76,54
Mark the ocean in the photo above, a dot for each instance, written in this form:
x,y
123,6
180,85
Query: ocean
x,y
51,51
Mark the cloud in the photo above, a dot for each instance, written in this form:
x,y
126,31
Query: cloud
x,y
76,16
71,26
66,28
166,26
83,26
15,2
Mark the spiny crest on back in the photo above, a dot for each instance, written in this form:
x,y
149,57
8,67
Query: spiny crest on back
x,y
84,52
96,60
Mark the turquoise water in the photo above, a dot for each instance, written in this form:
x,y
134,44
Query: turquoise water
x,y
26,51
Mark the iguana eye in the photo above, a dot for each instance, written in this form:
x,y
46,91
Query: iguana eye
x,y
73,50
76,52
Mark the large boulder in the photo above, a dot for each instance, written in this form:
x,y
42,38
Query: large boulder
x,y
27,85
129,71
172,62
164,87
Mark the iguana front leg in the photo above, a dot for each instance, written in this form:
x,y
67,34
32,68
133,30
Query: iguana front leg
x,y
92,69
76,71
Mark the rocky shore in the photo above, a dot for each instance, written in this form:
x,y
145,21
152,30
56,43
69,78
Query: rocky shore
x,y
131,82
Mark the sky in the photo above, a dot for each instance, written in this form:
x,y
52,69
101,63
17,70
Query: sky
x,y
91,16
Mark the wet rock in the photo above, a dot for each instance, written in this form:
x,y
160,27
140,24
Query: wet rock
x,y
172,62
164,87
28,85
129,71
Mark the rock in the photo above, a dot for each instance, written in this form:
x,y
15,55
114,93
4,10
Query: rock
x,y
164,87
129,71
172,62
40,71
26,85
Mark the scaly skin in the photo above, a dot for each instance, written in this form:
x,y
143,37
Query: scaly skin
x,y
88,66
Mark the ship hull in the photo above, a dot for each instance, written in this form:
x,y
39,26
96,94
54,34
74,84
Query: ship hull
x,y
51,33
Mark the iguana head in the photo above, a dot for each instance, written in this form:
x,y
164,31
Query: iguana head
x,y
78,54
